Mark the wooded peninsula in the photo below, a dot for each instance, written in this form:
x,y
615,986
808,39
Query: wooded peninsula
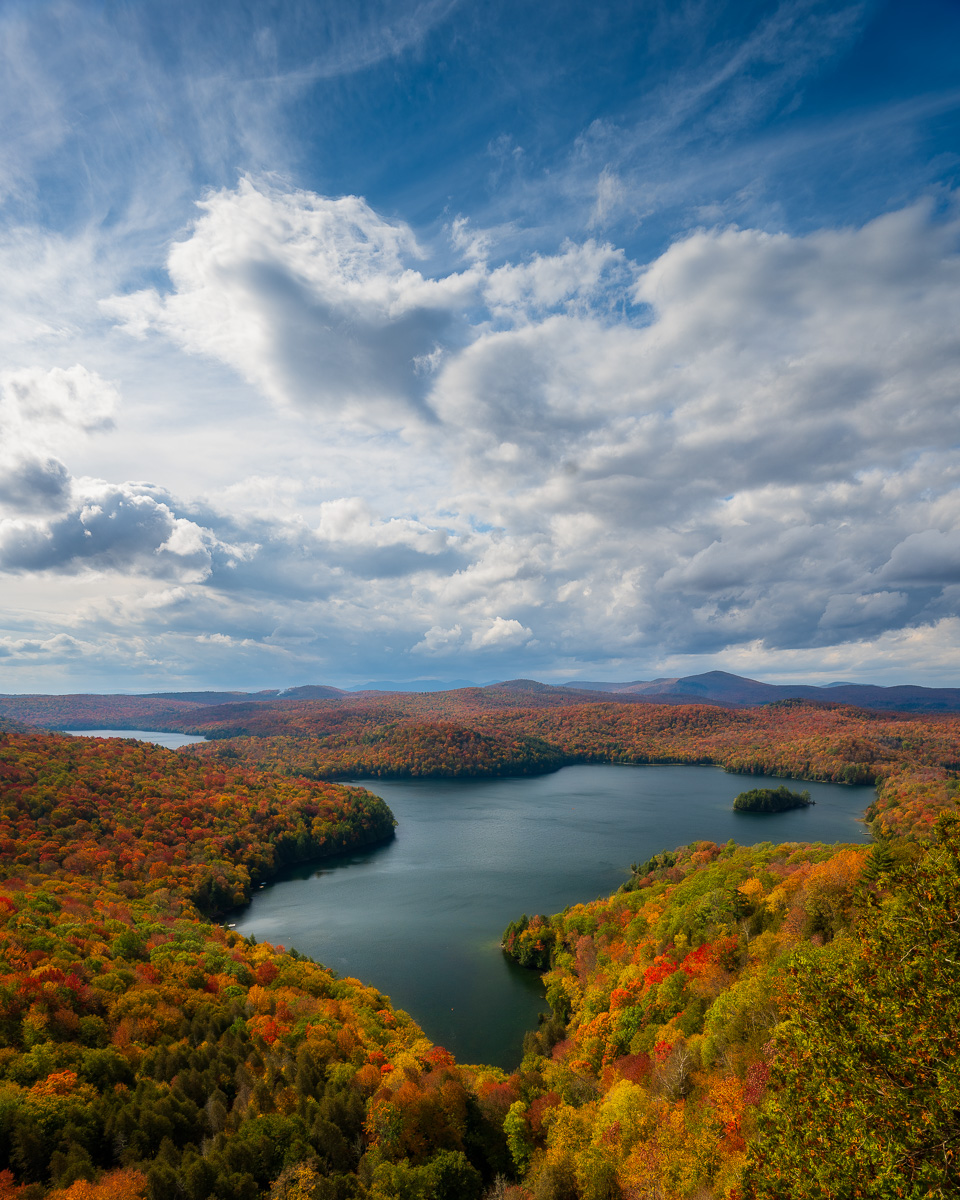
x,y
735,1021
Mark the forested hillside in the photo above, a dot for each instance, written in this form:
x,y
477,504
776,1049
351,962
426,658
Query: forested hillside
x,y
799,740
126,812
147,1052
767,1021
523,728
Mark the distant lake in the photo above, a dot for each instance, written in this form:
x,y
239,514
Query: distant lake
x,y
421,918
172,741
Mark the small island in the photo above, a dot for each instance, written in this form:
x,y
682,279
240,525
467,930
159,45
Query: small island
x,y
771,800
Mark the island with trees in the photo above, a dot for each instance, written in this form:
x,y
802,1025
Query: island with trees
x,y
771,800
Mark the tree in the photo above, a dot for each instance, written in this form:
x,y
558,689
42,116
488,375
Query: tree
x,y
866,1082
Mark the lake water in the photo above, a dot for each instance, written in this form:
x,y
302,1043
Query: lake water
x,y
421,918
172,741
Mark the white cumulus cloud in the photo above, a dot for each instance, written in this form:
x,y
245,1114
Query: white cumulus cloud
x,y
745,443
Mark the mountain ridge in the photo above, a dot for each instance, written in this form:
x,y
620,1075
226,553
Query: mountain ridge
x,y
738,690
720,688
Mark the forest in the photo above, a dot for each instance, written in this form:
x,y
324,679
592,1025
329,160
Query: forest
x,y
736,1022
771,800
520,729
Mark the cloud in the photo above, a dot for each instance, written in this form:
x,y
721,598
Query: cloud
x,y
715,127
59,646
31,484
386,31
440,641
742,443
930,557
114,527
43,410
313,300
612,198
660,389
500,632
131,110
747,457
737,82
495,633
577,277
859,612
318,302
43,405
351,536
473,244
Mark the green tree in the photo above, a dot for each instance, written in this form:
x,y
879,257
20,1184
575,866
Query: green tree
x,y
865,1096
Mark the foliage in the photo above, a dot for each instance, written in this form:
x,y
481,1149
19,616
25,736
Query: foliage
x,y
81,711
137,1038
450,735
146,818
866,1089
530,942
499,730
146,1053
910,800
771,800
667,996
699,1015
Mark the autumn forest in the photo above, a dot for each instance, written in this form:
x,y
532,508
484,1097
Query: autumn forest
x,y
737,1022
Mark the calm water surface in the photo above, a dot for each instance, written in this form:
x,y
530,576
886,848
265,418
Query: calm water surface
x,y
172,741
421,918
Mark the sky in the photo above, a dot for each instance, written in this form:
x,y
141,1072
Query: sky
x,y
434,340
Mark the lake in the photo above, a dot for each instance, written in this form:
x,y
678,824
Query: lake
x,y
421,917
172,741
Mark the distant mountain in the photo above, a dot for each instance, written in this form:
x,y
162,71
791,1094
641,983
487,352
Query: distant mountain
x,y
577,693
308,691
585,685
413,685
193,710
212,697
720,687
527,685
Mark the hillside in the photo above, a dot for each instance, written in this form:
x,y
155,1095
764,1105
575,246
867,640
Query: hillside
x,y
156,1054
270,711
698,1015
754,1022
797,740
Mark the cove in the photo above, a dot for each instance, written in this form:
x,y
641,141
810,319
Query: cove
x,y
421,917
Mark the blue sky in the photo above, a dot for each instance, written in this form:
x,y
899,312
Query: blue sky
x,y
434,340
